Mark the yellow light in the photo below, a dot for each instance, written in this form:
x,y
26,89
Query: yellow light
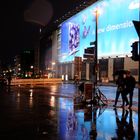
x,y
53,63
97,11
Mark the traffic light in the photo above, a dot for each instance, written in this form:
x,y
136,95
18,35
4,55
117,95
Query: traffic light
x,y
135,55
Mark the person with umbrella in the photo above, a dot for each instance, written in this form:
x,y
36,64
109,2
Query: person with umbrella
x,y
130,85
120,82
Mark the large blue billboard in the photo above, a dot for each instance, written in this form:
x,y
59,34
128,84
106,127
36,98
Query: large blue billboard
x,y
116,31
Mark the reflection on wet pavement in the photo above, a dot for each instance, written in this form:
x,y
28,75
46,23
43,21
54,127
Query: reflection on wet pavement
x,y
49,113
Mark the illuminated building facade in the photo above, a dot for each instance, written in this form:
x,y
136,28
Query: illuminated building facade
x,y
116,33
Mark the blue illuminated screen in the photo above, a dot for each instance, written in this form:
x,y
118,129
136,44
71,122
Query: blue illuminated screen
x,y
116,31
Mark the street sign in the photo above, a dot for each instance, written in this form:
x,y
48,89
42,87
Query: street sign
x,y
88,56
90,50
89,53
93,43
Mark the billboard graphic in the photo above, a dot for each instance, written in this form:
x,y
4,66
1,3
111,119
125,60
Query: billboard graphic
x,y
116,30
74,38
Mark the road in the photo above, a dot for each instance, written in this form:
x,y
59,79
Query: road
x,y
48,112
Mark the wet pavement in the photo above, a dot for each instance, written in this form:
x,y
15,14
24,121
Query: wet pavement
x,y
48,112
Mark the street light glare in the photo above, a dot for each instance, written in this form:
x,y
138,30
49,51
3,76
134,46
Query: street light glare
x,y
98,11
32,67
53,63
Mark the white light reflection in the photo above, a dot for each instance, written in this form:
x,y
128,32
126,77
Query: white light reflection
x,y
31,98
18,94
18,100
52,101
66,104
31,92
54,88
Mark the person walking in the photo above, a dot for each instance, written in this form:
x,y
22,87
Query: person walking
x,y
130,85
120,82
9,78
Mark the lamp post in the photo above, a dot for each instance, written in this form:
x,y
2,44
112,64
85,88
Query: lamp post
x,y
95,50
93,132
95,54
96,46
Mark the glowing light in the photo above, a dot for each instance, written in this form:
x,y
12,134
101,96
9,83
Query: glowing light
x,y
32,67
53,89
31,98
18,94
52,101
97,11
53,63
31,92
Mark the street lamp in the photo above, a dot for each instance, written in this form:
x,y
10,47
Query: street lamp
x,y
95,64
96,44
97,11
32,67
93,130
32,70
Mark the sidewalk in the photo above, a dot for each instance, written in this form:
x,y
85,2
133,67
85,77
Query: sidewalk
x,y
109,90
108,123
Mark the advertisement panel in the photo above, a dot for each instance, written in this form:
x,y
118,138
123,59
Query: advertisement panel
x,y
116,31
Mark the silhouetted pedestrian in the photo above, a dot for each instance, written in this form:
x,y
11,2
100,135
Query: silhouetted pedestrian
x,y
130,85
9,78
120,82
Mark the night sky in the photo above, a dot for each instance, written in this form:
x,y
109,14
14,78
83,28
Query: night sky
x,y
21,19
12,28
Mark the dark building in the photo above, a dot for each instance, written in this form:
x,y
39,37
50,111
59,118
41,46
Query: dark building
x,y
45,56
27,63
